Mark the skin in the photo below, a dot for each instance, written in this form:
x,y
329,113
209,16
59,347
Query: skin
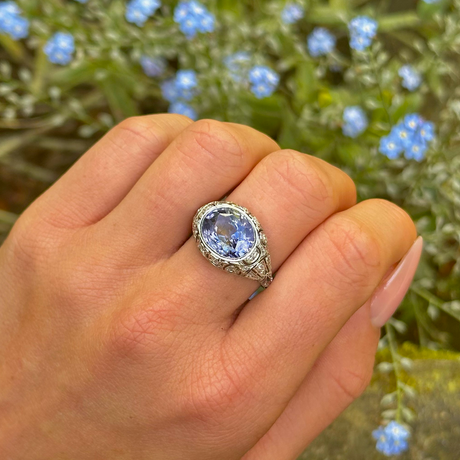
x,y
119,340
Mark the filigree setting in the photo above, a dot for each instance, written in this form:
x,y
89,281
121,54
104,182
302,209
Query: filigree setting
x,y
255,265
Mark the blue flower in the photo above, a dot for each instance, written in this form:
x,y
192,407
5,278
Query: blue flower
x,y
390,146
403,135
364,26
391,439
410,136
411,78
138,11
82,1
355,121
11,21
169,90
193,17
416,150
412,121
238,64
180,88
183,109
430,2
186,82
264,81
153,66
320,42
59,48
360,42
291,13
362,30
426,132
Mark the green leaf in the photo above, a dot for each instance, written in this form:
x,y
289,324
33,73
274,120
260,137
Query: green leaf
x,y
118,97
395,21
306,85
13,48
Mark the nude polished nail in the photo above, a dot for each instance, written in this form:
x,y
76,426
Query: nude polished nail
x,y
389,295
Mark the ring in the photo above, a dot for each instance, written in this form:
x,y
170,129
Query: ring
x,y
232,239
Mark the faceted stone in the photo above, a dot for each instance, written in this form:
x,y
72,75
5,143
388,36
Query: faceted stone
x,y
228,232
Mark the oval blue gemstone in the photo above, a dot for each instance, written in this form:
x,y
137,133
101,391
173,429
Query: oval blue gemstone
x,y
228,232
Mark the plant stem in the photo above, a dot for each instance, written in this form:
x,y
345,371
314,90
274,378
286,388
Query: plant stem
x,y
397,370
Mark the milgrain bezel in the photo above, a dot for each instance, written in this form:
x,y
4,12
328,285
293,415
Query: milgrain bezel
x,y
254,265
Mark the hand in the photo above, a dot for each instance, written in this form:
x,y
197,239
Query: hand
x,y
119,340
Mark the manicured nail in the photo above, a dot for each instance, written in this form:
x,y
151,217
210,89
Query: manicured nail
x,y
389,295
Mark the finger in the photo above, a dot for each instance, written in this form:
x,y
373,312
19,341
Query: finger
x,y
330,275
105,174
339,376
202,164
290,193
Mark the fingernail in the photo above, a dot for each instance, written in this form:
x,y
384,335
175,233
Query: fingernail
x,y
389,295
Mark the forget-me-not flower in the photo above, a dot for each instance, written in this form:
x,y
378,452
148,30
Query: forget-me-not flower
x,y
320,42
411,136
411,78
153,66
362,30
391,439
390,146
291,13
138,11
169,90
355,121
426,132
182,108
183,86
264,81
59,48
193,17
11,21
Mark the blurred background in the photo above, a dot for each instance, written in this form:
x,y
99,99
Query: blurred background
x,y
370,86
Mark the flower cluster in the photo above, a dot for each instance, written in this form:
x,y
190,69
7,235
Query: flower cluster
x,y
320,42
291,13
362,30
264,81
11,21
411,79
238,65
179,89
59,48
392,439
410,136
138,11
153,66
193,17
354,121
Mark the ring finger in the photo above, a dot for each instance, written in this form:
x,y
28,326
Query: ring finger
x,y
290,193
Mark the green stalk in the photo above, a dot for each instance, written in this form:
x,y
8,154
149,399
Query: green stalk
x,y
397,370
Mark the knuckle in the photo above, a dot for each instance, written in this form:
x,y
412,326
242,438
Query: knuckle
x,y
139,131
29,241
354,250
212,140
215,390
351,383
289,170
150,325
393,213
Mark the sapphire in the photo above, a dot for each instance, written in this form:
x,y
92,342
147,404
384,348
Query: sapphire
x,y
228,232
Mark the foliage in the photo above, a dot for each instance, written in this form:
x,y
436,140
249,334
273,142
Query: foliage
x,y
332,78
